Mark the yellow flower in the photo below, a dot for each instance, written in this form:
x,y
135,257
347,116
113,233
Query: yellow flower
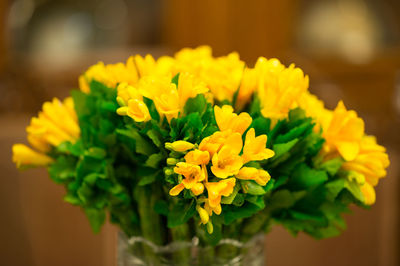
x,y
163,93
213,143
227,161
136,109
167,103
193,60
131,102
314,108
204,216
126,92
83,84
197,157
250,173
223,76
56,123
255,147
179,145
228,120
343,131
248,86
193,174
369,193
215,191
210,210
279,87
110,74
169,99
371,163
148,66
189,87
25,156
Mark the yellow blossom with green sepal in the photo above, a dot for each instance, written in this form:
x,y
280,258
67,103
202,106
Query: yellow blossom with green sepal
x,y
250,173
371,163
193,174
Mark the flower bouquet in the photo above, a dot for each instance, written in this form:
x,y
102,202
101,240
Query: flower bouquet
x,y
203,151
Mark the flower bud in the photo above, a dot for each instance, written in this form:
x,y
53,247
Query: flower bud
x,y
179,145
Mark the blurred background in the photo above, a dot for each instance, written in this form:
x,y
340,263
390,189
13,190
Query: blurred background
x,y
350,49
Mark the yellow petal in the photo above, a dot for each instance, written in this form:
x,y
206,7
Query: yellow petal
x,y
197,189
176,190
138,111
197,157
348,150
204,217
25,156
369,194
83,85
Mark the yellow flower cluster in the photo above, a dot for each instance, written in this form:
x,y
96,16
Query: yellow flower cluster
x,y
56,123
168,98
345,136
278,87
110,75
225,155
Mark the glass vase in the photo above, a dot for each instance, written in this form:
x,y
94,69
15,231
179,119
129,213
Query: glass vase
x,y
139,251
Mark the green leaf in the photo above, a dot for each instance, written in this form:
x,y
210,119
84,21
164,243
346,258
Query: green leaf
x,y
256,200
161,207
232,213
96,218
304,177
154,160
239,200
175,79
251,187
142,146
181,213
332,166
95,152
307,216
231,197
147,175
261,125
283,199
296,132
197,104
63,169
156,137
354,188
282,148
334,188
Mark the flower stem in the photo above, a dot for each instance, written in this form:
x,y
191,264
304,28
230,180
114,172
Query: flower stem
x,y
180,233
150,221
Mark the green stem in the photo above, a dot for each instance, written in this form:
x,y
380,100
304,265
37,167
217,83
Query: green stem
x,y
181,234
206,252
150,221
227,251
254,225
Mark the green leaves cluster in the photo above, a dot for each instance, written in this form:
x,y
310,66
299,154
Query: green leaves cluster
x,y
308,195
